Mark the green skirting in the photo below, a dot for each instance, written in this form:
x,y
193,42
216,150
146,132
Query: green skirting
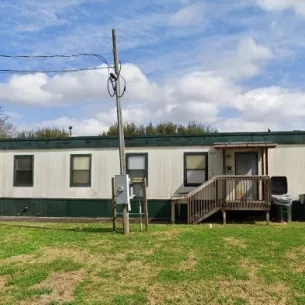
x,y
76,208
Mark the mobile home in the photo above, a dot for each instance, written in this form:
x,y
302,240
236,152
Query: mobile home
x,y
221,171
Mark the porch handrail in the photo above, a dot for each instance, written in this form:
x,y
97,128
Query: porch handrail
x,y
223,177
201,187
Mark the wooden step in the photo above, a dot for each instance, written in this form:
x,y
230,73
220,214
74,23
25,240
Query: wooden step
x,y
207,215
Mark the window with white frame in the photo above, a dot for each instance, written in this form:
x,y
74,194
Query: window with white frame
x,y
80,170
195,168
137,167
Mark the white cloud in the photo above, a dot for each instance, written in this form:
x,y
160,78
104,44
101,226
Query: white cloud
x,y
199,95
192,14
248,61
244,125
274,104
91,126
206,87
271,107
37,15
28,89
62,89
278,5
14,115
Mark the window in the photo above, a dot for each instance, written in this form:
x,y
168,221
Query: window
x,y
195,168
23,173
80,170
137,167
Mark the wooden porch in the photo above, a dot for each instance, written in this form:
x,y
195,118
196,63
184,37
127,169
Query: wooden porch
x,y
224,193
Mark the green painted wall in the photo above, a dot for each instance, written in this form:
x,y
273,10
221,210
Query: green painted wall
x,y
76,207
291,137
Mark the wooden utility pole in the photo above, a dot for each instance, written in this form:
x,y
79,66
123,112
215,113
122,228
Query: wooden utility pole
x,y
120,126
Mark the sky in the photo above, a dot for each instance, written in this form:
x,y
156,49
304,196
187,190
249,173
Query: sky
x,y
237,65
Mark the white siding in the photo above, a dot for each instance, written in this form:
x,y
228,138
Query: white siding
x,y
165,171
289,161
52,172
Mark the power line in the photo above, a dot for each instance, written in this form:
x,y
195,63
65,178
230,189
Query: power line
x,y
52,71
112,79
99,56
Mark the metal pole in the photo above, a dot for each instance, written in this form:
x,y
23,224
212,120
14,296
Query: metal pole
x,y
113,206
140,212
120,126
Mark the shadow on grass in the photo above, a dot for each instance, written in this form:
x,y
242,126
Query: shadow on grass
x,y
76,229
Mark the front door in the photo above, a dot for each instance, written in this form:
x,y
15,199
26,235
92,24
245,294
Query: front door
x,y
246,164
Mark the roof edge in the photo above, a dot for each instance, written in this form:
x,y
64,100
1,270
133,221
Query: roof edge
x,y
294,137
217,134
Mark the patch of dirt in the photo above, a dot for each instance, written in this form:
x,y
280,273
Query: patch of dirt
x,y
251,267
16,239
23,259
254,291
296,259
125,280
62,285
165,235
147,252
190,264
236,242
3,281
107,244
76,255
47,255
137,272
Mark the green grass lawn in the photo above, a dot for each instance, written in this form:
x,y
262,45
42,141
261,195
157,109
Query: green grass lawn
x,y
88,264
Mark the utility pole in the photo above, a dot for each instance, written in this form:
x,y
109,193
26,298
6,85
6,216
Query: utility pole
x,y
120,126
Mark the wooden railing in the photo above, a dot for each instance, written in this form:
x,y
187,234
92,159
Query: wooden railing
x,y
245,192
226,193
202,201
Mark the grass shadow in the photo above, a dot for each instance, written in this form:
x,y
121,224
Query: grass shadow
x,y
76,229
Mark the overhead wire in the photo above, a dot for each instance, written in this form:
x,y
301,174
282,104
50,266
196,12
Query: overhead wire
x,y
119,75
101,57
51,71
113,80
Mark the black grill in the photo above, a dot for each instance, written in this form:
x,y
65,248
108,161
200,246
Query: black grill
x,y
279,185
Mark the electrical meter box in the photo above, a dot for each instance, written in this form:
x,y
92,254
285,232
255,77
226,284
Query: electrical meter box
x,y
123,191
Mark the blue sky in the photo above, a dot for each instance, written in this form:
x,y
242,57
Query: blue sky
x,y
234,64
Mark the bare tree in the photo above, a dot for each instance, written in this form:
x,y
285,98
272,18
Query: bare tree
x,y
7,129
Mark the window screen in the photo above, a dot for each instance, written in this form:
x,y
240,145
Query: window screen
x,y
195,169
23,171
137,168
81,170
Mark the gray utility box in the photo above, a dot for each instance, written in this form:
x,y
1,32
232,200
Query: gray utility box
x,y
123,192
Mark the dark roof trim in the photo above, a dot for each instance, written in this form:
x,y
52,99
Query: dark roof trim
x,y
245,145
295,137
